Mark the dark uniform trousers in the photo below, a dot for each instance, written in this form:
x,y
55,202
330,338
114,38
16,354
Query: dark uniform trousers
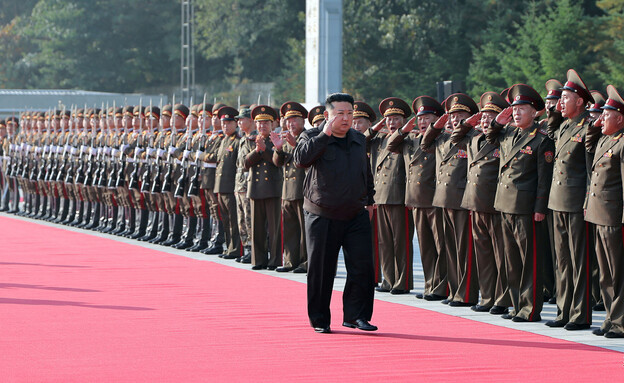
x,y
324,238
546,244
429,224
487,233
461,264
265,214
610,255
573,268
395,244
227,204
524,269
293,225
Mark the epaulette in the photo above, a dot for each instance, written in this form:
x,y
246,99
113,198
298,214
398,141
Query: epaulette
x,y
543,131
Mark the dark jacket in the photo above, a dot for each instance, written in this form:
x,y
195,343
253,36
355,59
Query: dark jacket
x,y
338,183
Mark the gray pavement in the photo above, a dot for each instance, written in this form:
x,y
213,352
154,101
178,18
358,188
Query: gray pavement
x,y
549,311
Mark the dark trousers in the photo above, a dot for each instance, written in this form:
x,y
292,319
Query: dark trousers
x,y
324,238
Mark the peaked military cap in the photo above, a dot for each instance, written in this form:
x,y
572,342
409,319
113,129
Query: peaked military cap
x,y
139,111
599,101
492,102
394,106
615,101
316,114
181,110
460,102
505,95
216,107
293,109
363,110
263,113
425,104
205,109
554,89
524,94
227,113
153,112
167,110
575,84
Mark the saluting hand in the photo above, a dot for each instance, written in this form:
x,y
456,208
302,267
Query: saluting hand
x,y
378,126
474,119
441,122
409,126
559,107
327,130
504,117
260,145
599,121
277,140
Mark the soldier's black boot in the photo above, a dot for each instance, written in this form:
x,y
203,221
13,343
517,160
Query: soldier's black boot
x,y
204,236
143,218
131,226
217,241
95,223
176,233
83,221
121,222
64,210
112,223
77,213
43,209
189,236
153,228
164,229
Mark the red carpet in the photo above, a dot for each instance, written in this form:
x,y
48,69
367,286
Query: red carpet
x,y
75,307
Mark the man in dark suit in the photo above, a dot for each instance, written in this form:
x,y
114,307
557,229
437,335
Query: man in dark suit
x,y
526,156
338,186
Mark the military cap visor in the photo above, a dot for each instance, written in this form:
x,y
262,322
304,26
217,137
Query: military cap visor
x,y
227,113
599,101
554,89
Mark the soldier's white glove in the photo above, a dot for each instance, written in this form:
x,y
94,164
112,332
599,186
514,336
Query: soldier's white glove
x,y
198,155
160,153
172,150
186,154
114,152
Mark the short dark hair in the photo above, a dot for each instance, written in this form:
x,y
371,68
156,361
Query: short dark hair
x,y
338,97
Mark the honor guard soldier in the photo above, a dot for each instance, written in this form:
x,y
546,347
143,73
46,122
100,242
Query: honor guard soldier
x,y
526,155
264,191
487,231
225,179
451,171
294,251
567,195
316,116
604,209
419,191
395,228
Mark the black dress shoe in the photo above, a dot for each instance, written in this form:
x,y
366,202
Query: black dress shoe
x,y
445,301
322,330
613,334
518,319
246,259
399,292
499,310
599,307
480,308
419,295
598,332
258,267
360,324
552,300
434,297
229,256
283,269
555,323
271,267
460,304
571,326
217,249
300,270
381,290
507,316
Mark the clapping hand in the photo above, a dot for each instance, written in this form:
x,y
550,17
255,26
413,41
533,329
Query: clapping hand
x,y
260,145
276,139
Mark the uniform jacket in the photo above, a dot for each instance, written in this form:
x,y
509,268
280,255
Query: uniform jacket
x,y
389,172
420,168
483,167
265,179
293,176
525,169
226,164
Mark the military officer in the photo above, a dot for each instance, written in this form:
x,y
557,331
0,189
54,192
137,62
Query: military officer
x,y
483,165
526,155
248,132
419,191
567,194
316,116
604,209
264,190
293,226
395,228
451,171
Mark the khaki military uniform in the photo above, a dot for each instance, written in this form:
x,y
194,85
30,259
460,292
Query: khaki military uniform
x,y
225,179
